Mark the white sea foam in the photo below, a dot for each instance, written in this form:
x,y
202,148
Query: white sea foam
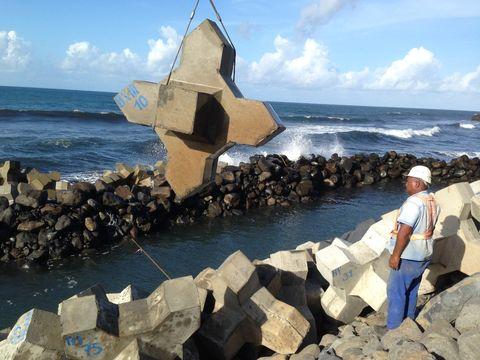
x,y
398,133
90,176
467,126
456,154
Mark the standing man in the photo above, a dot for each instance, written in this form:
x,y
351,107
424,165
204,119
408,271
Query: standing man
x,y
410,246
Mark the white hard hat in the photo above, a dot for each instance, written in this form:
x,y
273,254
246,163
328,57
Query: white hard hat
x,y
421,172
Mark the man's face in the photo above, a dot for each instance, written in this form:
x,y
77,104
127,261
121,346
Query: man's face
x,y
413,185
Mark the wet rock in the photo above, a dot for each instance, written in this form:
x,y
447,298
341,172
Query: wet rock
x,y
30,225
232,200
90,224
304,188
32,198
111,200
24,239
7,216
4,203
73,197
214,209
63,222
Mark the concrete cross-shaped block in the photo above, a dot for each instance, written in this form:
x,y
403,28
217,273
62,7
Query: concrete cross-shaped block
x,y
200,113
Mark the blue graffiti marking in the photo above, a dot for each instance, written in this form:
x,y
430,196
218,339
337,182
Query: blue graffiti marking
x,y
131,94
19,332
91,348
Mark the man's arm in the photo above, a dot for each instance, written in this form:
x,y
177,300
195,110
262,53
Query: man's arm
x,y
403,238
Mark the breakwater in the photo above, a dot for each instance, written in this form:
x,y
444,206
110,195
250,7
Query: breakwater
x,y
43,218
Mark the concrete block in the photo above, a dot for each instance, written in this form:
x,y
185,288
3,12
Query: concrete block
x,y
38,180
9,191
292,265
343,265
475,187
128,294
476,208
24,188
460,251
430,277
240,275
132,351
371,288
283,328
222,333
359,231
340,306
190,113
124,171
62,185
90,327
269,276
174,311
378,234
455,204
10,172
37,327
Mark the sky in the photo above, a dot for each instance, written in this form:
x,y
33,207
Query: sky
x,y
405,53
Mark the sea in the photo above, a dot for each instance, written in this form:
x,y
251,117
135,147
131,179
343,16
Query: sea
x,y
82,133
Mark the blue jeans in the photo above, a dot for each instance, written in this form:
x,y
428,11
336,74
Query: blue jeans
x,y
402,291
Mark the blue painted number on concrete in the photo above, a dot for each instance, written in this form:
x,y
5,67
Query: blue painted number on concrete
x,y
129,94
19,332
90,348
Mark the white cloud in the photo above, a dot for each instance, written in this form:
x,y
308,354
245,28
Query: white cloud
x,y
307,65
14,51
416,71
303,67
470,82
319,13
162,50
84,57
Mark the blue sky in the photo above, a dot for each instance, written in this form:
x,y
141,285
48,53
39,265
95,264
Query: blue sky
x,y
421,53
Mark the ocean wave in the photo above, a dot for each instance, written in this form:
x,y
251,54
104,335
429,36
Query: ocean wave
x,y
103,115
456,154
398,133
466,126
310,117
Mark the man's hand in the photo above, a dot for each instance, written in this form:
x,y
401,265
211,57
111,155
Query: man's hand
x,y
394,262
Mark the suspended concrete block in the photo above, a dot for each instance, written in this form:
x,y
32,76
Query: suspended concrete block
x,y
378,235
283,328
200,113
371,288
340,306
35,335
455,205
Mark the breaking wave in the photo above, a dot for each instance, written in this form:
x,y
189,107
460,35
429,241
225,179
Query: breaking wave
x,y
398,133
467,126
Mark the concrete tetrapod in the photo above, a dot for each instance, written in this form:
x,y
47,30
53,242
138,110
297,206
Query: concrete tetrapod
x,y
460,251
293,271
476,208
282,327
36,335
200,113
455,205
340,306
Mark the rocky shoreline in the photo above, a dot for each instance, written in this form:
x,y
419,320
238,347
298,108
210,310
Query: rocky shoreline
x,y
43,218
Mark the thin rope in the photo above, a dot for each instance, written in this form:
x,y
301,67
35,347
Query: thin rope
x,y
151,259
192,15
217,14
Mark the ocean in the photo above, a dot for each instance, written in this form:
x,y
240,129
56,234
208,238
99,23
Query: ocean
x,y
81,134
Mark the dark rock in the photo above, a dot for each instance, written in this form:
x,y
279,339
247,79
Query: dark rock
x,y
214,209
71,197
441,345
3,203
84,187
232,199
124,192
448,304
469,317
161,192
7,216
304,188
32,198
24,238
63,222
476,117
112,200
30,225
265,165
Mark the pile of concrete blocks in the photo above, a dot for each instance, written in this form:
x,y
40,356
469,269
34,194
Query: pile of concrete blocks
x,y
358,272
